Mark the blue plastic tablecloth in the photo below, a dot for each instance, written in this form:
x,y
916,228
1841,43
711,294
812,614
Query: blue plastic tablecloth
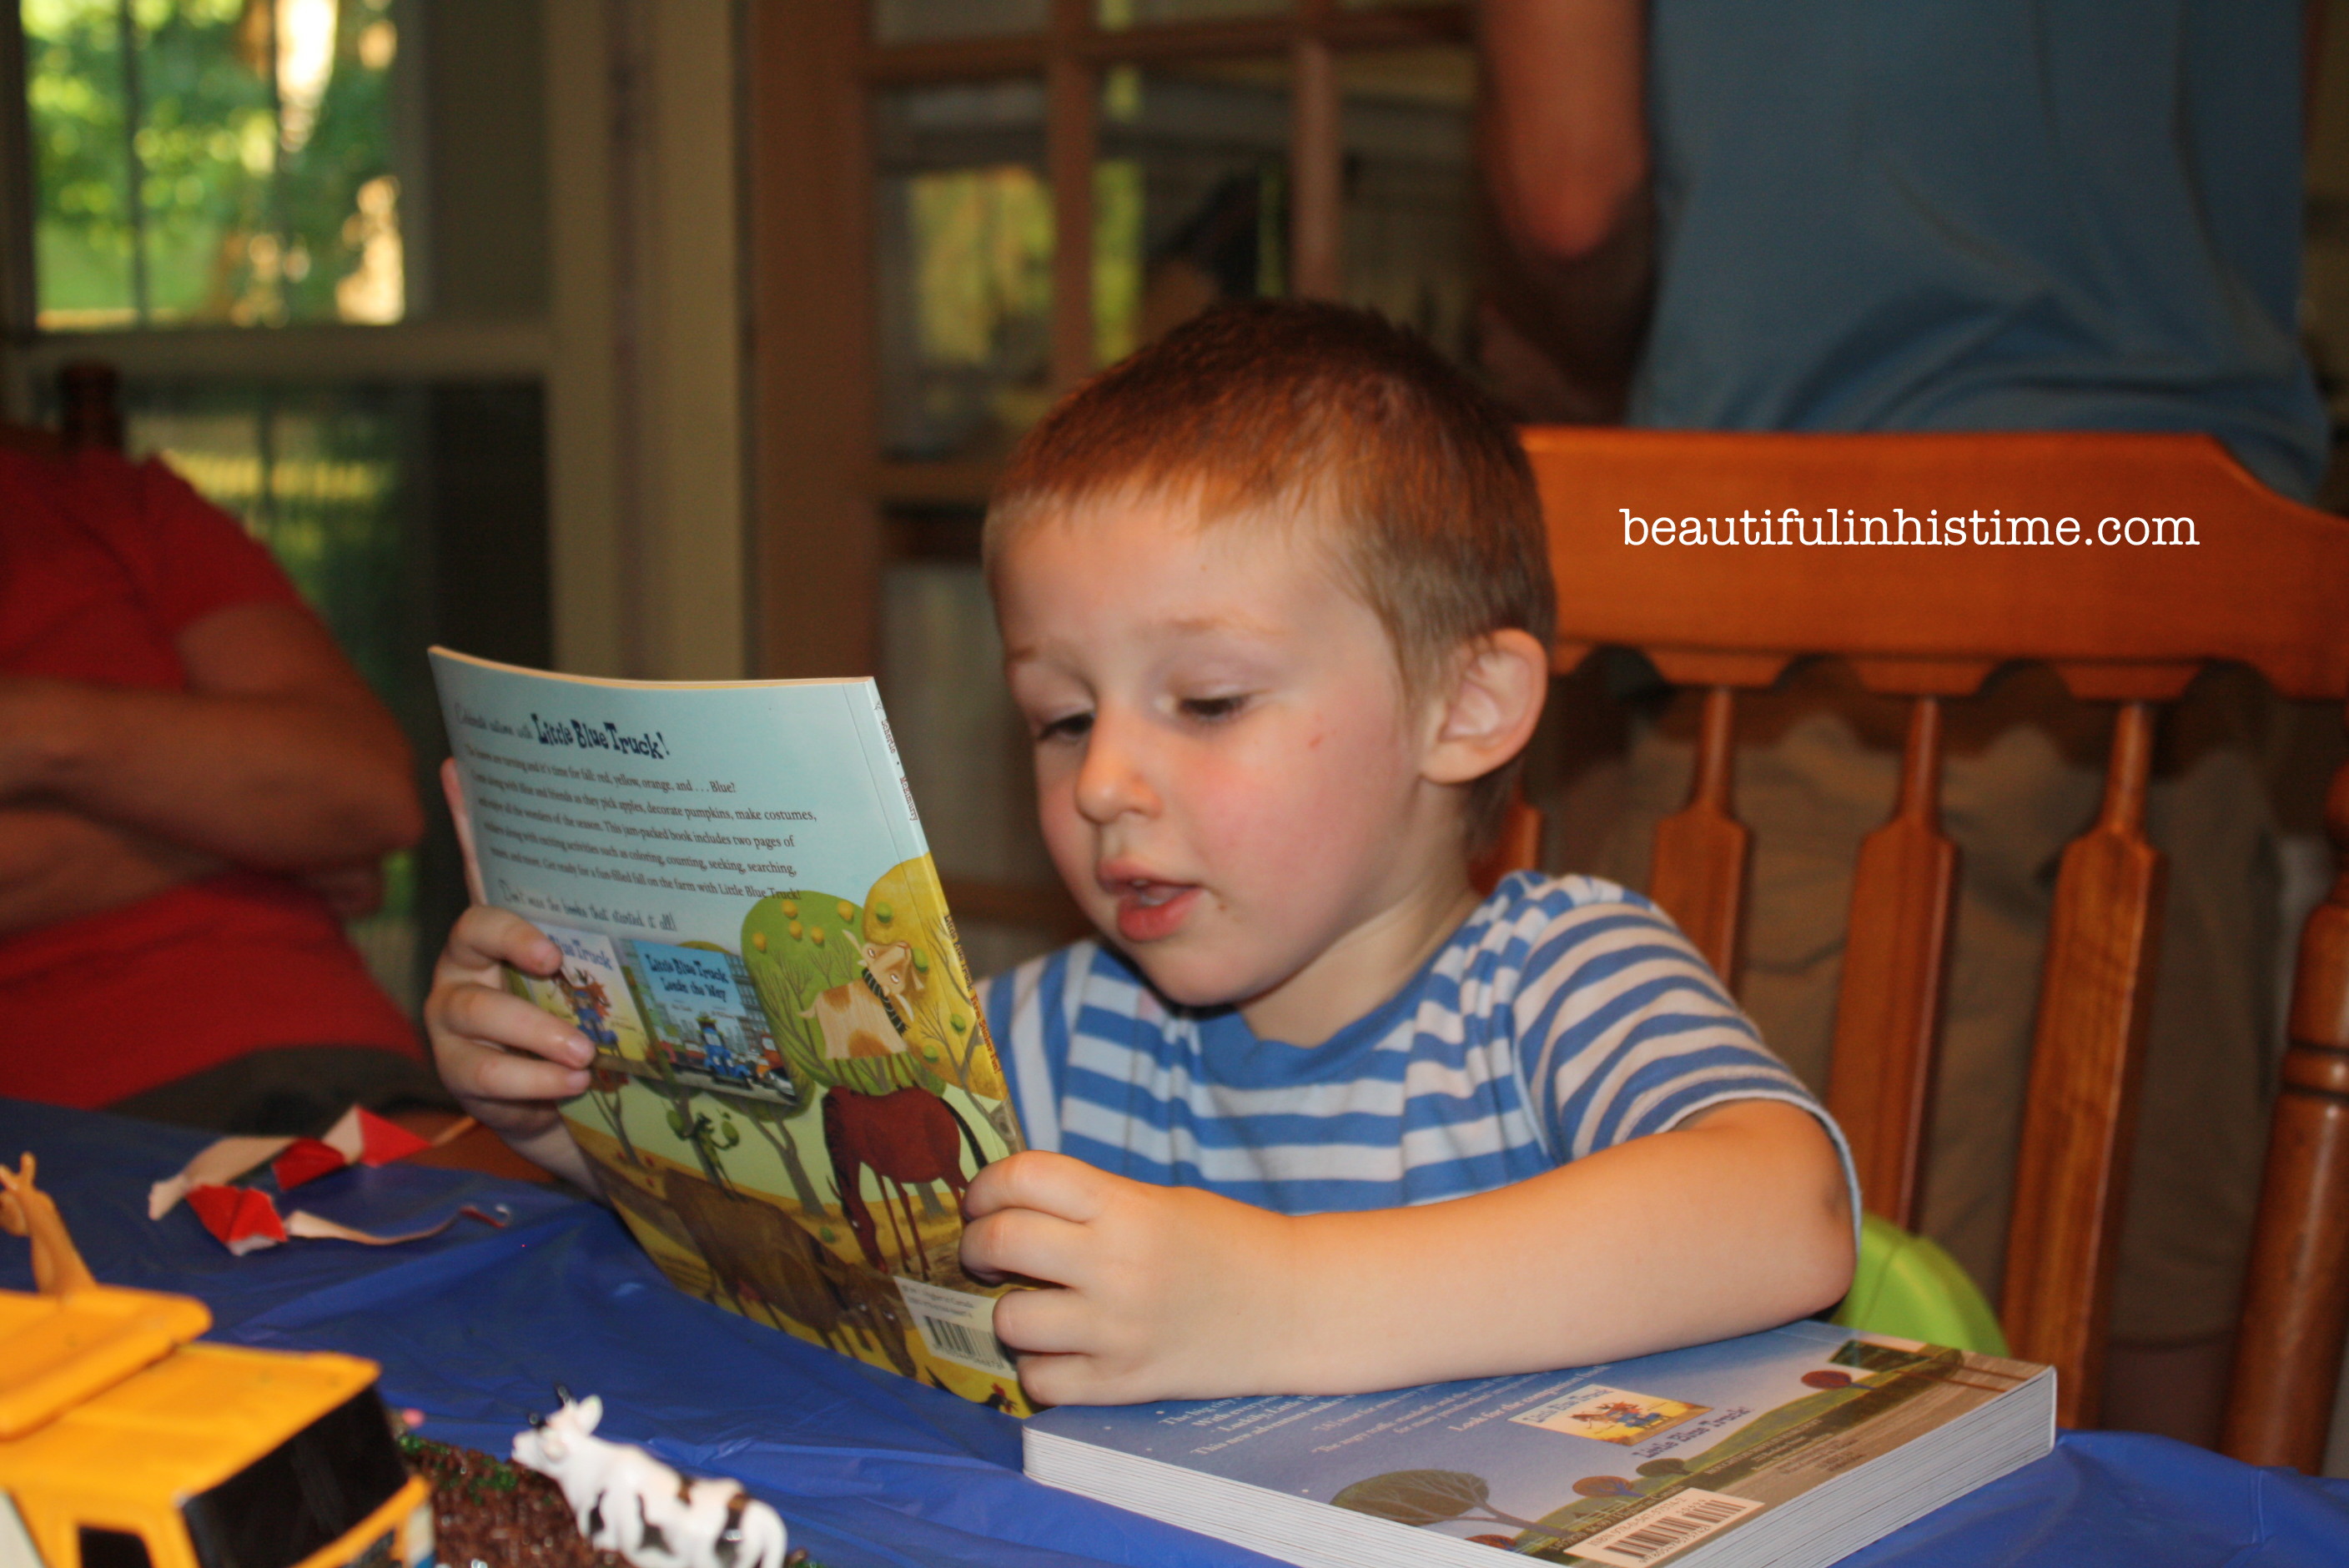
x,y
475,1326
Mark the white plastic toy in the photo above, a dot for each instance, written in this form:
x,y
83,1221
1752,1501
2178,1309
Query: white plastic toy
x,y
629,1502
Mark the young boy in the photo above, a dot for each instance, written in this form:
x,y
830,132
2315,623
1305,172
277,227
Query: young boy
x,y
1311,1117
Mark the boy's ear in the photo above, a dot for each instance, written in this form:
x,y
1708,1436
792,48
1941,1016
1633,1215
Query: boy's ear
x,y
1489,713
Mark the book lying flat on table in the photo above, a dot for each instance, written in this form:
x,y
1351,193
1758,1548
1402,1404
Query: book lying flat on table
x,y
794,1081
1791,1448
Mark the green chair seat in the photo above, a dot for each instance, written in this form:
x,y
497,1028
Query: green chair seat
x,y
1909,1288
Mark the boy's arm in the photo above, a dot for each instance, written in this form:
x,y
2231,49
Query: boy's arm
x,y
277,754
57,865
1732,1222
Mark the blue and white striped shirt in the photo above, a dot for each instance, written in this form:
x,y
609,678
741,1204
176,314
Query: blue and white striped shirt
x,y
1565,1015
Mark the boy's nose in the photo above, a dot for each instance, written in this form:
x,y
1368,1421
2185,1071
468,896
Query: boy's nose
x,y
1112,782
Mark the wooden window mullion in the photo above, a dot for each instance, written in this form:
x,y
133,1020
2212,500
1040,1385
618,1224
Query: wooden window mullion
x,y
1316,160
809,165
1071,138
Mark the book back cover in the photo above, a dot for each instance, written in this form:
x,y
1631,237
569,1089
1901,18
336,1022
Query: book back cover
x,y
793,1080
1624,1464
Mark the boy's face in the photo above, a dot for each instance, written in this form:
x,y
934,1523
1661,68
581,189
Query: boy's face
x,y
1228,771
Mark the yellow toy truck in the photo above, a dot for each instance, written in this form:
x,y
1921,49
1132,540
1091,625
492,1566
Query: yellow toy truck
x,y
125,1444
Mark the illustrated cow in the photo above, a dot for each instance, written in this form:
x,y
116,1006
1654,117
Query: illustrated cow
x,y
649,1207
760,1255
863,1017
627,1501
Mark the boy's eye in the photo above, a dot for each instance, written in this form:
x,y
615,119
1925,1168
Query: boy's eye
x,y
1069,726
1209,709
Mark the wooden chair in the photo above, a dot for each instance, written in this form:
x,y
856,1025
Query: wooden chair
x,y
90,414
2266,584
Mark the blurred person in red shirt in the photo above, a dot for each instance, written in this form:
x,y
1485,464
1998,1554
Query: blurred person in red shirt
x,y
196,788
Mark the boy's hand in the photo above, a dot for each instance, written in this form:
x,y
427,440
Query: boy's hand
x,y
1733,1222
506,1060
1164,1292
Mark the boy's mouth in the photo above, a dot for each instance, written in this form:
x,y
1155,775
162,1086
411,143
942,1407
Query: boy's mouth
x,y
1148,910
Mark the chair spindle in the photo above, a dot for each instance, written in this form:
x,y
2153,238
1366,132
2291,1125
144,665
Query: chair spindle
x,y
2296,1303
90,392
1703,850
2088,1047
1888,1011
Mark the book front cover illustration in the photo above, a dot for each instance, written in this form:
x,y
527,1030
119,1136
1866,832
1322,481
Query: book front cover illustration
x,y
794,1081
1627,1464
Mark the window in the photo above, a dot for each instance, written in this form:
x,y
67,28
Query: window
x,y
317,1486
1045,184
228,161
112,1549
963,218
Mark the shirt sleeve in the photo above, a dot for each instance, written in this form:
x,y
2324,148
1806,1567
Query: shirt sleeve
x,y
1028,1016
188,557
1627,1031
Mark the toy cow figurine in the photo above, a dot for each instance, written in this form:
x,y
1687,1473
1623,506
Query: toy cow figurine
x,y
627,1501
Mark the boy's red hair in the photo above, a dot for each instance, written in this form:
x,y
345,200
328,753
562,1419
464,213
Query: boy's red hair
x,y
1326,414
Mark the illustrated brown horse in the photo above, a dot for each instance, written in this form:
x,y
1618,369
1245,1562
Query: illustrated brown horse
x,y
906,1138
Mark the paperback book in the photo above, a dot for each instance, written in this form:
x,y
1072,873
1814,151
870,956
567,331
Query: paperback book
x,y
794,1081
1792,1448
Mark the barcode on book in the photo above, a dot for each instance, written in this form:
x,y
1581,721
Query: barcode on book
x,y
953,1339
956,1328
1683,1520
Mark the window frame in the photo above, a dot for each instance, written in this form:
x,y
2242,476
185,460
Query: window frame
x,y
417,348
820,492
811,69
1070,57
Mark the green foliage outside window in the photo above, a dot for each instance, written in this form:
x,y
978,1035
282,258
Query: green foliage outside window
x,y
213,161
